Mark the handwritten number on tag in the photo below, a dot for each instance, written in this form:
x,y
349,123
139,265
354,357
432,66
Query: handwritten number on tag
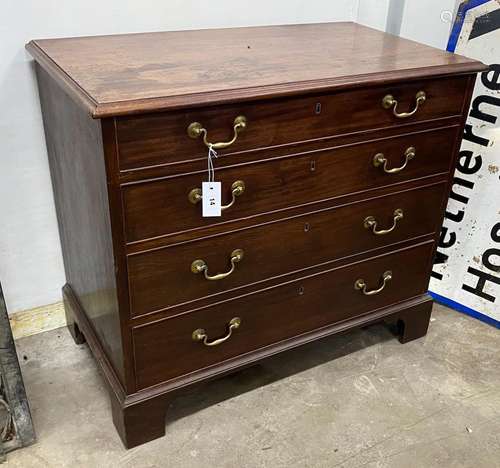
x,y
211,199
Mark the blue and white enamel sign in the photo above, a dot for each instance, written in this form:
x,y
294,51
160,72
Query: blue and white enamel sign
x,y
466,273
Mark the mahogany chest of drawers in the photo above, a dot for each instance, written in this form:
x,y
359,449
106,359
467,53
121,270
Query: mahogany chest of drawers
x,y
336,145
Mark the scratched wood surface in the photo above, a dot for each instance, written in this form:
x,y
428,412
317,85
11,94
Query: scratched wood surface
x,y
133,73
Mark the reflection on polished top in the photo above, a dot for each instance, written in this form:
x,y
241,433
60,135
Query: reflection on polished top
x,y
120,74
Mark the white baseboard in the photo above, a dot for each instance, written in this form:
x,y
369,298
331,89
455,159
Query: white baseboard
x,y
37,320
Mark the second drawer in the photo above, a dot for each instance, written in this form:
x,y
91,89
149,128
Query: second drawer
x,y
161,207
166,277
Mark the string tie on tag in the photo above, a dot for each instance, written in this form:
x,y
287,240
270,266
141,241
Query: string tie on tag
x,y
211,154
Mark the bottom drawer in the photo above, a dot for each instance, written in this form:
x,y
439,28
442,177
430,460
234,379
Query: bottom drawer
x,y
167,348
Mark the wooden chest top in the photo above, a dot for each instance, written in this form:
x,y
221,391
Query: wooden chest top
x,y
136,73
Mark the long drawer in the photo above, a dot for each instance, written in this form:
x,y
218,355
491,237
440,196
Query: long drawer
x,y
163,138
162,207
162,278
276,314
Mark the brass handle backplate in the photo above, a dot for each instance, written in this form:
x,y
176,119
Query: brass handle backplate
x,y
237,188
196,129
360,285
371,223
390,102
201,335
199,266
379,160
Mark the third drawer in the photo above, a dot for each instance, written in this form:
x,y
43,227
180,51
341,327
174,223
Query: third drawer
x,y
162,278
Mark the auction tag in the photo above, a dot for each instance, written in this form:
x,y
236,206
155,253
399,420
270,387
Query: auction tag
x,y
211,199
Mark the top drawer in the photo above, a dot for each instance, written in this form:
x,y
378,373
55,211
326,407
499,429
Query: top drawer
x,y
163,138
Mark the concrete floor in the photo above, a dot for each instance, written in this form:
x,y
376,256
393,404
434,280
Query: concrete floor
x,y
355,400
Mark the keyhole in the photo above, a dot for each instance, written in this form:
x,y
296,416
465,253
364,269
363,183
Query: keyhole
x,y
307,227
317,110
301,291
313,166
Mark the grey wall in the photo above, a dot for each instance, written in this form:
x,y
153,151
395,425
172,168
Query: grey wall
x,y
425,21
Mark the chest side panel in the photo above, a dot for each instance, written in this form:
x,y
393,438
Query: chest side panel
x,y
75,151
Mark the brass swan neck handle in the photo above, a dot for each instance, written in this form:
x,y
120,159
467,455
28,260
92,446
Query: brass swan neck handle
x,y
200,266
371,223
196,129
201,335
390,101
379,160
237,188
360,285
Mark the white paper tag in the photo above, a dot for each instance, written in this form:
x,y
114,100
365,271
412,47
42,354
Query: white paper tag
x,y
211,199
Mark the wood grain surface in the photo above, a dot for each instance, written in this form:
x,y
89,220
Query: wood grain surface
x,y
310,303
75,151
160,279
163,139
158,208
133,73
